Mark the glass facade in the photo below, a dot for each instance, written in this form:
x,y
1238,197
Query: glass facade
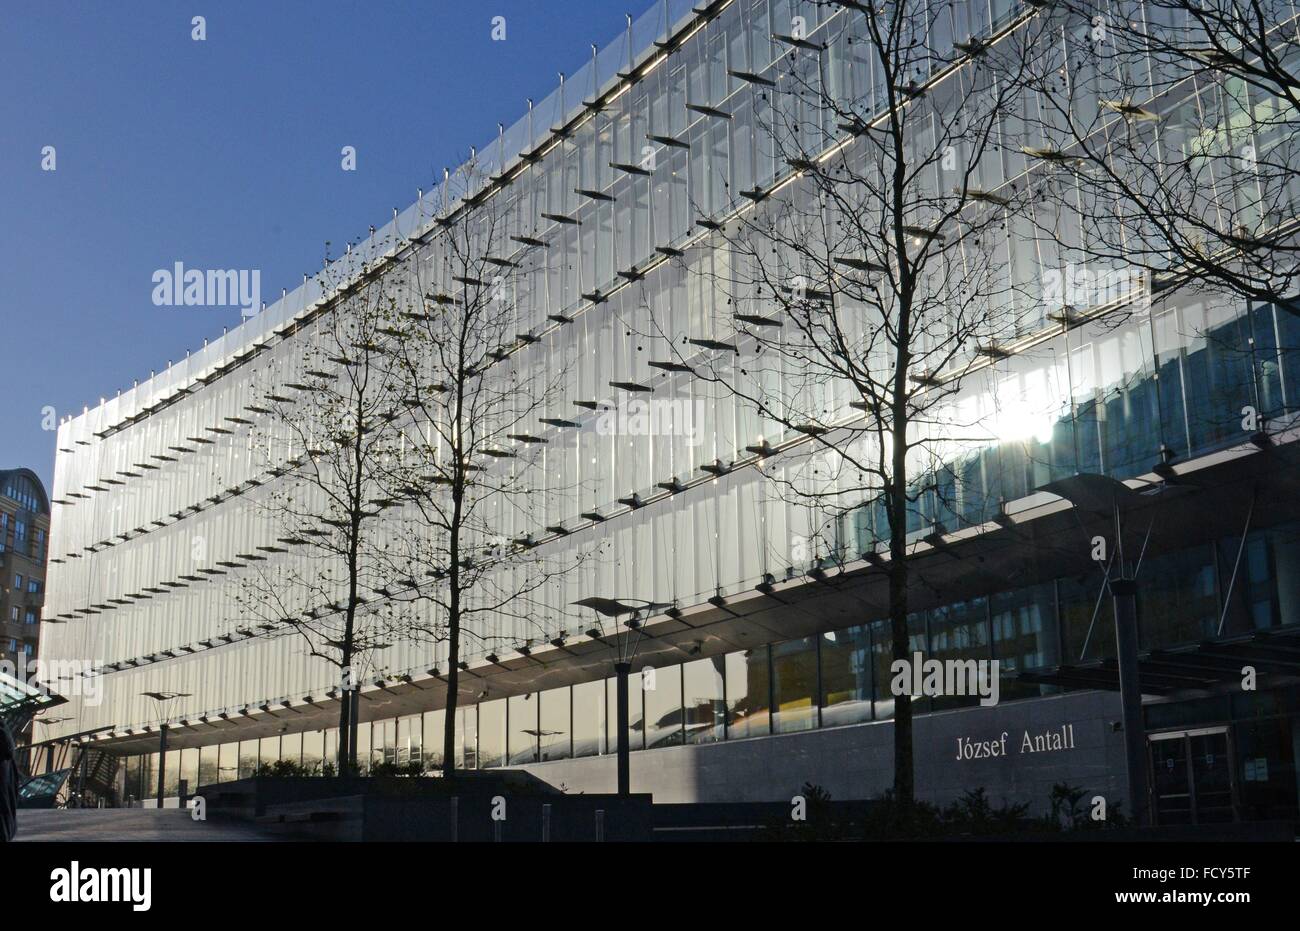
x,y
836,679
161,491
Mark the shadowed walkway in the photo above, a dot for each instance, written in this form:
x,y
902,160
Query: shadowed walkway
x,y
132,824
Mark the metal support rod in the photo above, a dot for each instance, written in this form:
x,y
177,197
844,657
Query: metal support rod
x,y
81,777
621,671
1236,564
162,762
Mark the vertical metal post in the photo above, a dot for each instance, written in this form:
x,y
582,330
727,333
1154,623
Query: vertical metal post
x,y
546,824
600,825
621,671
354,714
1124,594
455,818
81,776
162,762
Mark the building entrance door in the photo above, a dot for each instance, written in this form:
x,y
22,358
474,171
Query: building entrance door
x,y
1191,777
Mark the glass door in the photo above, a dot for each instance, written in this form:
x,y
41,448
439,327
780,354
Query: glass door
x,y
1191,777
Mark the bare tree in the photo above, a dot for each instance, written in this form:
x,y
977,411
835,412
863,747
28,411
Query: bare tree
x,y
330,426
1170,128
858,299
473,466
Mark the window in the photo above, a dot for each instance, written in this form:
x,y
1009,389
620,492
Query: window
x,y
492,733
228,762
18,582
703,702
554,732
313,751
635,713
189,769
467,753
33,586
663,705
589,719
522,721
363,747
268,753
208,758
748,693
409,738
846,676
247,765
291,748
435,732
794,685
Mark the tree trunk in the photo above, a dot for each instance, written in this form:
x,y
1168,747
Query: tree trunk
x,y
453,628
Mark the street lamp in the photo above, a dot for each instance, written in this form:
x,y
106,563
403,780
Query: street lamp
x,y
1111,499
626,637
162,698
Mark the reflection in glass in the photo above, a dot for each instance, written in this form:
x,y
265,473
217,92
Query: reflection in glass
x,y
1025,636
268,753
703,701
291,748
794,685
748,693
554,736
635,714
846,676
364,757
467,756
589,718
409,738
189,770
434,737
208,763
247,758
882,656
663,705
492,733
150,774
960,632
313,751
522,718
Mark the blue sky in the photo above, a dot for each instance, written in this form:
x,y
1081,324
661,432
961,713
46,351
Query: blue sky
x,y
225,153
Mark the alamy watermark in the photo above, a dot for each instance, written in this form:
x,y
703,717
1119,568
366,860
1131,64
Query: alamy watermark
x,y
70,678
942,678
655,417
179,286
1082,286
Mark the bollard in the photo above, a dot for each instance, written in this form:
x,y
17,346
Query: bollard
x,y
546,823
600,825
455,818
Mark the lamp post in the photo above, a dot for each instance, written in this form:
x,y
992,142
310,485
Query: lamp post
x,y
626,637
1110,499
162,698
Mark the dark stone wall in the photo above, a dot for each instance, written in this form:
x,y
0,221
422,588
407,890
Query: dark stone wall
x,y
856,762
